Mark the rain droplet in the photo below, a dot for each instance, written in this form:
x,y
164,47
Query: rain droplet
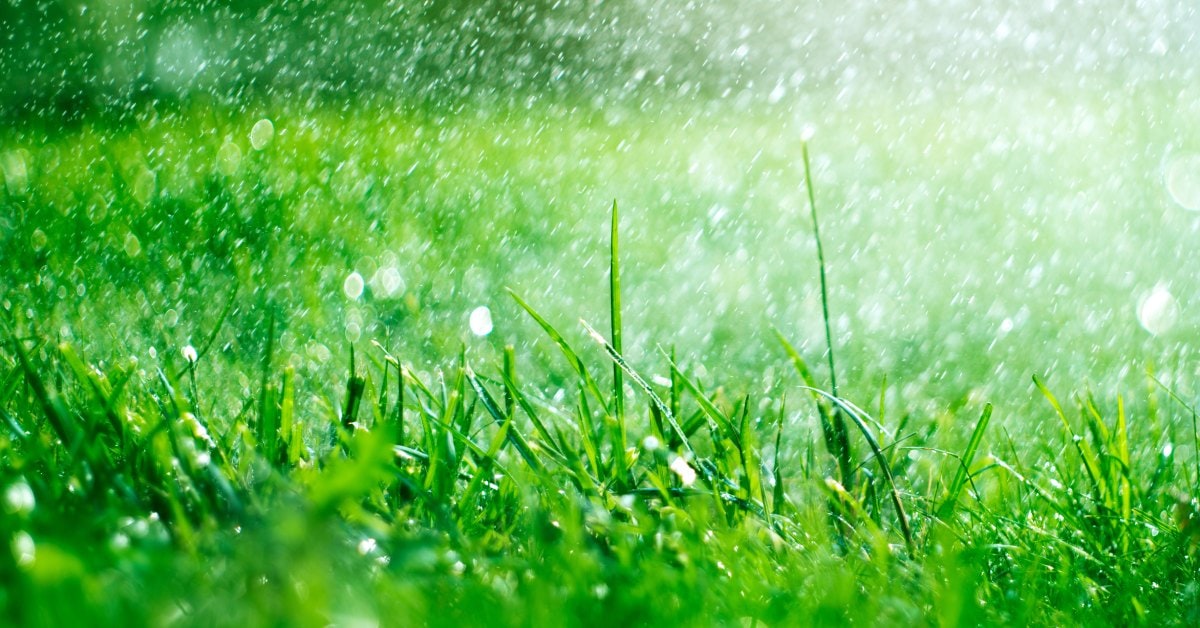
x,y
687,475
390,281
23,548
1158,311
1182,177
145,184
189,353
16,172
133,246
353,286
229,159
481,321
261,134
19,499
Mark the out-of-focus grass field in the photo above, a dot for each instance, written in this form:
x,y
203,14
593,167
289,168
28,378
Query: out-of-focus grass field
x,y
972,241
971,244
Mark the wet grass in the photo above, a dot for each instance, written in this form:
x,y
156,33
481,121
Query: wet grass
x,y
186,441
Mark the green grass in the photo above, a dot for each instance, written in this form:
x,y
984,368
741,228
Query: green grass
x,y
326,459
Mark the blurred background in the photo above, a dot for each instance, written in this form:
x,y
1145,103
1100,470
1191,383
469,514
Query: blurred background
x,y
77,57
1006,189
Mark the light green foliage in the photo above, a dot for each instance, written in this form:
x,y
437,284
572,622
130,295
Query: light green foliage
x,y
256,480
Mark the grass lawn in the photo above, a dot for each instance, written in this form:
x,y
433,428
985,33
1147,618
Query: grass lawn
x,y
245,376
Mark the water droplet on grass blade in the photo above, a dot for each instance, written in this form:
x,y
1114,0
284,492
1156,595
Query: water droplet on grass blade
x,y
480,321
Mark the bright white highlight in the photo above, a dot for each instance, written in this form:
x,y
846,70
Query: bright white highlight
x,y
353,286
481,321
261,134
687,475
1158,311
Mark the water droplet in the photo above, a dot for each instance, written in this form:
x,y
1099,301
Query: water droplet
x,y
19,499
1182,177
261,134
15,171
1158,311
23,548
687,475
353,286
189,353
229,159
389,281
481,321
144,186
133,246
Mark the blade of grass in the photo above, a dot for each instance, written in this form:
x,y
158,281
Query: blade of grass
x,y
619,360
825,413
1089,462
572,358
514,436
614,303
849,410
714,414
964,465
840,432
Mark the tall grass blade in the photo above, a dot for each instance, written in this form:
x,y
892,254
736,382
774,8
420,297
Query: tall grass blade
x,y
354,393
964,465
614,303
841,434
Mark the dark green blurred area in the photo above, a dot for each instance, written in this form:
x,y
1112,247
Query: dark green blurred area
x,y
67,59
